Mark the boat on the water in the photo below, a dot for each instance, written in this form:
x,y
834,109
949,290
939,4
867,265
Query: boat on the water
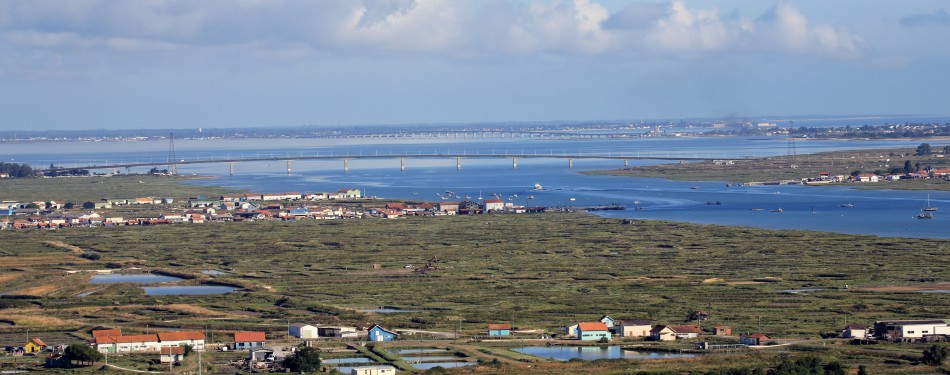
x,y
776,210
925,215
846,205
929,208
537,186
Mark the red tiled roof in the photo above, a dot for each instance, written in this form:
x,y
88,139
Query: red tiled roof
x,y
494,201
37,341
127,339
249,337
101,333
173,350
181,335
592,326
495,327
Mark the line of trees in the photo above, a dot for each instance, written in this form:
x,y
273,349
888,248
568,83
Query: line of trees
x,y
16,170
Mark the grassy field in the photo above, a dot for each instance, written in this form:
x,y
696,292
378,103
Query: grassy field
x,y
801,166
536,271
82,189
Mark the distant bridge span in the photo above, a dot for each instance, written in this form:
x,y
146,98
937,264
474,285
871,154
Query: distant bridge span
x,y
345,157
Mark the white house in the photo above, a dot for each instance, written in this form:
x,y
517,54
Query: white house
x,y
899,329
373,370
194,339
494,205
634,328
855,331
302,331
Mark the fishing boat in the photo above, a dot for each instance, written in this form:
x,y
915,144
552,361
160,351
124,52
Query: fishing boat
x,y
537,186
925,215
573,199
776,210
846,205
929,207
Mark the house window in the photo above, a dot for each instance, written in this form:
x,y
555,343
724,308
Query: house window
x,y
924,331
910,332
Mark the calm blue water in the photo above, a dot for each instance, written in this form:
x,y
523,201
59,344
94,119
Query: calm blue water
x,y
589,353
877,212
183,290
132,278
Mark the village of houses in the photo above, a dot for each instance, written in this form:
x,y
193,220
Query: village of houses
x,y
258,352
342,204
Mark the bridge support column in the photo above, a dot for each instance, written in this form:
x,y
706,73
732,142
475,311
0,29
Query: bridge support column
x,y
346,166
402,164
570,163
288,167
458,164
231,169
514,163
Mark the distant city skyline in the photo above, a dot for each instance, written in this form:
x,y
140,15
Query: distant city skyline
x,y
113,64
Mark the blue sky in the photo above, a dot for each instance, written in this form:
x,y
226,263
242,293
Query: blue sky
x,y
116,64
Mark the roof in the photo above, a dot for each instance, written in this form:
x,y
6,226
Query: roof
x,y
658,329
173,350
99,333
383,329
181,336
909,322
686,329
759,336
300,325
37,341
494,327
592,326
855,326
635,322
494,201
127,339
249,337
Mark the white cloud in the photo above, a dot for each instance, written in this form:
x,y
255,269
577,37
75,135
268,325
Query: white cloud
x,y
441,28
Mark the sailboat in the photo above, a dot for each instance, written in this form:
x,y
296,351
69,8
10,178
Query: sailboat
x,y
929,207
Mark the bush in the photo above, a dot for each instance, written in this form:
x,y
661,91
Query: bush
x,y
936,355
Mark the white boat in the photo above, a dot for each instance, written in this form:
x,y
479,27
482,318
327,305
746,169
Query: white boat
x,y
925,215
573,199
530,197
846,205
929,207
537,186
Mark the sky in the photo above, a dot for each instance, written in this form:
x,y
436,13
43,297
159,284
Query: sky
x,y
118,64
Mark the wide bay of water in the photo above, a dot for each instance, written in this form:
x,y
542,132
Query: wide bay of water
x,y
876,212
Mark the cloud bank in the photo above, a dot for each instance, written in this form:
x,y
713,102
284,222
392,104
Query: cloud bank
x,y
442,28
939,17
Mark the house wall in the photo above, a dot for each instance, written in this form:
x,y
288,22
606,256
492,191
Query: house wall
x,y
635,331
854,333
248,345
380,335
499,332
305,332
592,335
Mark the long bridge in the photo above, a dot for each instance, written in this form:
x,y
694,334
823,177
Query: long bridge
x,y
172,165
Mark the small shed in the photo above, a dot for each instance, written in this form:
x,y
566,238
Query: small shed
x,y
722,330
302,331
754,339
34,346
172,354
499,329
378,333
855,331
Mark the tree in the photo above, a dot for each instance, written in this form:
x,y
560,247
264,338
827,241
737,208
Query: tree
x,y
306,359
89,205
82,353
923,149
32,206
936,355
908,167
862,370
69,205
